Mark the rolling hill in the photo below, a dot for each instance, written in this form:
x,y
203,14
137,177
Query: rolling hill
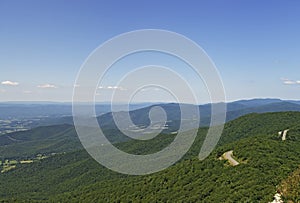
x,y
40,140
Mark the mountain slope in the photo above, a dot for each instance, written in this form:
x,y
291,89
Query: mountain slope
x,y
41,140
257,124
290,187
265,161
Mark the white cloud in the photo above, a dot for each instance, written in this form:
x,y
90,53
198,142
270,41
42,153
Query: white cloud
x,y
7,82
44,86
112,88
290,82
27,92
2,91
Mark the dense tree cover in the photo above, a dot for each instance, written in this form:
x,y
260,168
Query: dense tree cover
x,y
255,124
265,160
290,187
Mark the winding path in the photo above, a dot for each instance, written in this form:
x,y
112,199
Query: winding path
x,y
284,134
228,156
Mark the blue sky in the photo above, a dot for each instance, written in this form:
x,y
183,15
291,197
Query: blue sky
x,y
254,44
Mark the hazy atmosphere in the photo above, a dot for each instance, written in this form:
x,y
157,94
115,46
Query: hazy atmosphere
x,y
254,45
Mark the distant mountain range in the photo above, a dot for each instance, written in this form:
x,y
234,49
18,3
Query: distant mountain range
x,y
52,140
57,114
235,109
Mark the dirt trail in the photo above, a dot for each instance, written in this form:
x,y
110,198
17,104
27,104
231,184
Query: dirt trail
x,y
284,134
277,198
228,156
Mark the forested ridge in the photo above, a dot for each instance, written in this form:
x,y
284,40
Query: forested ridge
x,y
266,164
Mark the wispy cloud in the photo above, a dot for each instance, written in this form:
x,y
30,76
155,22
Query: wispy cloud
x,y
290,82
27,92
112,88
9,83
2,91
45,86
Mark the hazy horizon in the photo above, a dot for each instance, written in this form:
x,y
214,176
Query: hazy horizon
x,y
143,102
